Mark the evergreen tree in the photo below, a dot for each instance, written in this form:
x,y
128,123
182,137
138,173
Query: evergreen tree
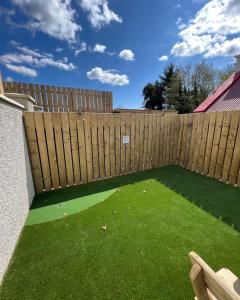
x,y
155,94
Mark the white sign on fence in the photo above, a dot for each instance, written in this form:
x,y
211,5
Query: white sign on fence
x,y
126,139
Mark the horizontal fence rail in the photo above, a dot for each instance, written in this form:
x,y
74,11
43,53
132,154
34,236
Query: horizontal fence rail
x,y
69,149
63,99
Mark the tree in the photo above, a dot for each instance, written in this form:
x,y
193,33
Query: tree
x,y
224,74
155,94
166,79
184,87
178,95
203,81
149,93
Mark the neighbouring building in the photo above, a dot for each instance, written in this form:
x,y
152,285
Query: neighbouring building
x,y
227,95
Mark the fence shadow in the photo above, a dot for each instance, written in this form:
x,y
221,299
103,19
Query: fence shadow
x,y
74,192
220,200
217,198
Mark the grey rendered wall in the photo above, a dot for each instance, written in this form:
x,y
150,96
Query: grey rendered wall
x,y
16,184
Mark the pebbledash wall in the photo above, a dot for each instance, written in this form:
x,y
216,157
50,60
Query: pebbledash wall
x,y
16,183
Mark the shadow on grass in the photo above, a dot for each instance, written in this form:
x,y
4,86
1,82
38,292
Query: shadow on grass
x,y
217,198
220,200
71,193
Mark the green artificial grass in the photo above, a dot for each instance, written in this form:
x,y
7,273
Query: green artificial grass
x,y
54,211
153,219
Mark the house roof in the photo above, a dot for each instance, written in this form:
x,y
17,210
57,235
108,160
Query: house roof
x,y
226,96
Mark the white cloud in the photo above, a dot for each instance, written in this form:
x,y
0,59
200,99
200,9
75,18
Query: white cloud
x,y
179,20
9,79
127,54
54,17
34,58
226,48
111,53
22,70
83,47
6,12
61,65
59,49
99,48
178,5
108,77
28,51
16,58
99,13
163,58
211,31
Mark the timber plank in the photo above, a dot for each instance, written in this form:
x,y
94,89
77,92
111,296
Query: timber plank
x,y
82,148
211,129
57,127
94,127
215,146
67,148
33,151
222,144
48,124
74,146
106,132
87,130
42,145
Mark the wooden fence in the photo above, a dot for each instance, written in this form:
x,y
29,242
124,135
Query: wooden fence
x,y
69,149
63,99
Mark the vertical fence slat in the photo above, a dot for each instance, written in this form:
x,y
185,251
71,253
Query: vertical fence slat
x,y
49,99
128,148
57,127
198,143
33,151
203,143
133,142
87,130
95,146
118,143
43,150
145,142
67,147
211,128
44,98
184,140
233,175
122,122
141,141
82,148
222,144
112,146
101,146
193,140
48,124
188,139
230,145
215,146
106,134
74,146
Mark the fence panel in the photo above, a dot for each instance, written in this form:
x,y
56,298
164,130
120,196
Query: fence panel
x,y
62,99
69,149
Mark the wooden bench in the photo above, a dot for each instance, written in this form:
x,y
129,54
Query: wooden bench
x,y
210,285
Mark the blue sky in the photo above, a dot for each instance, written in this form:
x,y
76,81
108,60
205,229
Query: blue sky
x,y
113,45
